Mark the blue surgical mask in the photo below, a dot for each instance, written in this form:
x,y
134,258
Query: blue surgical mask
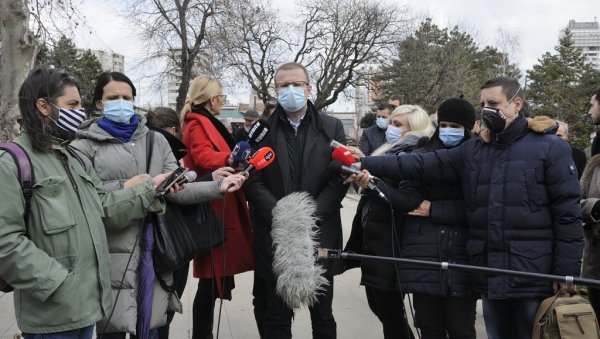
x,y
119,110
381,123
393,134
292,98
451,137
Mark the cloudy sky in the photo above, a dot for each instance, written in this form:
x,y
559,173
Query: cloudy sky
x,y
536,24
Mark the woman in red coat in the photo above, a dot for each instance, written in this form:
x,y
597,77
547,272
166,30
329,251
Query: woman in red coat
x,y
209,147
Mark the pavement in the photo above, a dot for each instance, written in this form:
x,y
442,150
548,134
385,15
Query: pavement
x,y
353,316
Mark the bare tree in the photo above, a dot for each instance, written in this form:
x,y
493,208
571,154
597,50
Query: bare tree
x,y
22,31
251,33
176,31
332,38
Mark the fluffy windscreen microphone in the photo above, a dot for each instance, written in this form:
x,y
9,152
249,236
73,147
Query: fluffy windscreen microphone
x,y
258,132
294,232
342,155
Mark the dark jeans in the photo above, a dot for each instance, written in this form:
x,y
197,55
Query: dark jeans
x,y
80,333
179,280
274,317
594,295
445,317
203,311
510,318
388,306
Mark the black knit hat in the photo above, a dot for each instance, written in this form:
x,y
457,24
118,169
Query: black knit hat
x,y
457,110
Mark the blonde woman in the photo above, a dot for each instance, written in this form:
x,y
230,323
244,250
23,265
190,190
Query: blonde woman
x,y
209,146
375,232
408,124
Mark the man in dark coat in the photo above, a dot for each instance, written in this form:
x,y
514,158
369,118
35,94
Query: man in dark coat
x,y
374,136
300,138
241,133
578,155
522,197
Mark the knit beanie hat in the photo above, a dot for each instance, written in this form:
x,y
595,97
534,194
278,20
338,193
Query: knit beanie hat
x,y
457,110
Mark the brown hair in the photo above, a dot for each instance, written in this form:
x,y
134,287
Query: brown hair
x,y
290,66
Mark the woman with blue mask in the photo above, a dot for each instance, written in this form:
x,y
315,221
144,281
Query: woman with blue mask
x,y
121,146
436,231
376,229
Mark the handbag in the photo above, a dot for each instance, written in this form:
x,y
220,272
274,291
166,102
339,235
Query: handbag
x,y
183,230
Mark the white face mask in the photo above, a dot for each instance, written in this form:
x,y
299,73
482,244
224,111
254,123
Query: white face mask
x,y
393,134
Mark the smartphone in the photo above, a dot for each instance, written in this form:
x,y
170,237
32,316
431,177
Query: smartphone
x,y
174,178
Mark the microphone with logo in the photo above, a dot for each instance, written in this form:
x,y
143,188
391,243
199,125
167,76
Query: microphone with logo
x,y
240,153
342,163
259,160
258,132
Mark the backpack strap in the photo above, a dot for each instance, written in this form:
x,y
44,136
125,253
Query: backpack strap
x,y
24,171
544,307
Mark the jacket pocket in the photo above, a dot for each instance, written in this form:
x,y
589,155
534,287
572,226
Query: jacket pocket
x,y
476,251
533,194
94,195
50,198
530,256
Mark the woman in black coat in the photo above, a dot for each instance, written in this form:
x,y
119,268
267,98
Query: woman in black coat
x,y
377,225
437,231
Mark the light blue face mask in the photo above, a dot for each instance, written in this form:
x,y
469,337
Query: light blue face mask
x,y
381,123
393,134
119,111
451,137
292,98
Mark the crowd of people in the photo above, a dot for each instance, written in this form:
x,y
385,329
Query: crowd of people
x,y
490,187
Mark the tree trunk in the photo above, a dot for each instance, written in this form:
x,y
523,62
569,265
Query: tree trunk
x,y
18,51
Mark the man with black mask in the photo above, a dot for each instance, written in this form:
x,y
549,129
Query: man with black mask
x,y
522,197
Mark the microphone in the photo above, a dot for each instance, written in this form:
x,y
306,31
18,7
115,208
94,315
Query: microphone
x,y
240,153
295,237
259,160
343,155
336,144
258,132
179,176
337,167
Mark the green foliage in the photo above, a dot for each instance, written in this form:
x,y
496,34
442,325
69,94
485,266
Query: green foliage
x,y
367,120
83,66
435,64
560,86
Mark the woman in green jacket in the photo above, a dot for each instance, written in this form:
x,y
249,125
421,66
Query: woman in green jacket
x,y
56,255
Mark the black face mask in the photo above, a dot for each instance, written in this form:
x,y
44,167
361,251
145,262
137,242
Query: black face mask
x,y
493,119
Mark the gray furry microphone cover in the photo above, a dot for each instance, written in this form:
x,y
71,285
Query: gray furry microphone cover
x,y
294,232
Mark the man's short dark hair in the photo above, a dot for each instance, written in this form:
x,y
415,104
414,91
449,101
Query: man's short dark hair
x,y
510,86
42,83
290,66
107,77
385,106
395,98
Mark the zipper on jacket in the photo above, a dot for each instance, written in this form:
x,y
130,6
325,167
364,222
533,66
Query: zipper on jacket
x,y
65,160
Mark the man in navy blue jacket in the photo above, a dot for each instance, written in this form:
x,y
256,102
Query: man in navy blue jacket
x,y
522,197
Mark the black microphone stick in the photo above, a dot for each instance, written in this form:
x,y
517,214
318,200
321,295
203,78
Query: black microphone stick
x,y
324,253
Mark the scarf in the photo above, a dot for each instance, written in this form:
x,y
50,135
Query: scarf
x,y
200,109
123,132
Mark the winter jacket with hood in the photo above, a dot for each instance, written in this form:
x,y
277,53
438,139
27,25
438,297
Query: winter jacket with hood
x,y
57,260
116,162
522,198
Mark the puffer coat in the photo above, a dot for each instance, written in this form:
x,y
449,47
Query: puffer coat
x,y
522,197
116,162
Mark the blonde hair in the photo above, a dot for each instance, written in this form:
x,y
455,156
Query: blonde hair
x,y
419,123
201,90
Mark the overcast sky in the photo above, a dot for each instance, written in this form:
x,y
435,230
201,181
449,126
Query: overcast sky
x,y
536,23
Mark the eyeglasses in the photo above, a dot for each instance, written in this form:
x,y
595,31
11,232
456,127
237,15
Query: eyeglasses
x,y
296,84
222,96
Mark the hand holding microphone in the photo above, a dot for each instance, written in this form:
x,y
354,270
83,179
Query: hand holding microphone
x,y
231,183
343,163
